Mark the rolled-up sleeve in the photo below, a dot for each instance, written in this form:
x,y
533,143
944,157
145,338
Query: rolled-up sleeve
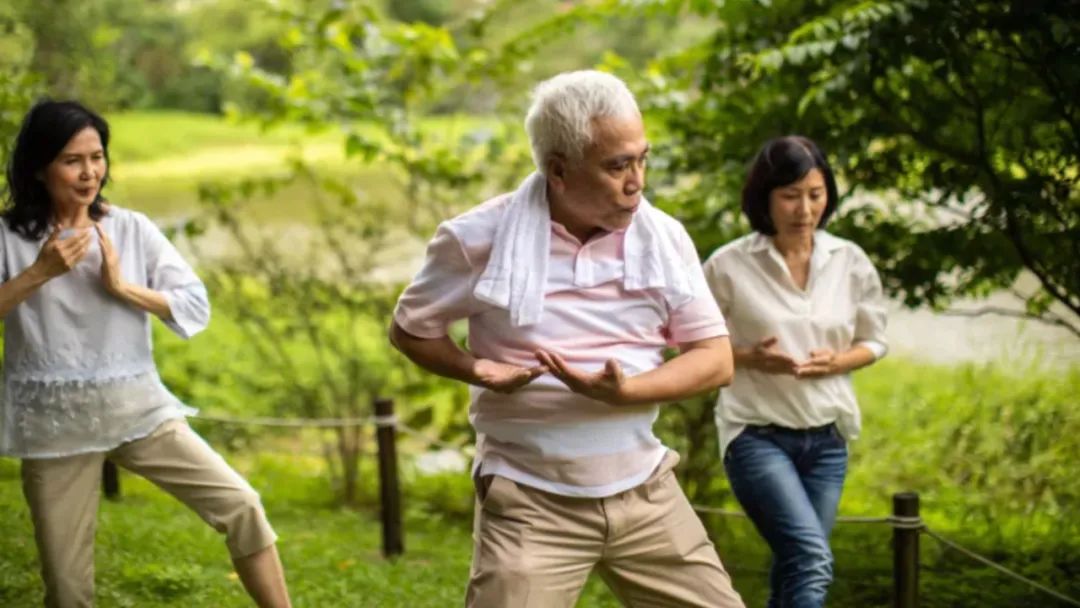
x,y
169,273
441,292
870,309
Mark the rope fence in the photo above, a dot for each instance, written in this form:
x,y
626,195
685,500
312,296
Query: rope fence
x,y
907,525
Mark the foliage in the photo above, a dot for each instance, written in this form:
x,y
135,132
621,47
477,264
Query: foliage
x,y
18,83
954,126
312,318
372,79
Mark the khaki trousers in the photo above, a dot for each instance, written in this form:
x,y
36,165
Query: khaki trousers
x,y
63,496
533,549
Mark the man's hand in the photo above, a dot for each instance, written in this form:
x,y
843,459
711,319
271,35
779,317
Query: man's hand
x,y
503,377
609,385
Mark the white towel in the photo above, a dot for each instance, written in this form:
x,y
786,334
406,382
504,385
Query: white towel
x,y
516,274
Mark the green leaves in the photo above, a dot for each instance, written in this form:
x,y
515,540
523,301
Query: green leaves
x,y
917,103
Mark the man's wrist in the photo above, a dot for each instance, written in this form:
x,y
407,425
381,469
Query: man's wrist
x,y
629,392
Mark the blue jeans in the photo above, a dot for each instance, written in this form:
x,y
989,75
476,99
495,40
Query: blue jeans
x,y
789,483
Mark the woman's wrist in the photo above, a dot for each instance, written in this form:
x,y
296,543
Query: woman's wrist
x,y
36,274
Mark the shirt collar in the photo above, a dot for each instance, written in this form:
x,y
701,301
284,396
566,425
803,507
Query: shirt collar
x,y
823,242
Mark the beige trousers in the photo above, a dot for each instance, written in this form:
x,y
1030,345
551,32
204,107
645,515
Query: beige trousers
x,y
63,496
533,549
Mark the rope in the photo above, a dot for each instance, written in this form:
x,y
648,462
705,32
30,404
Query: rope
x,y
379,421
902,523
296,422
465,452
386,421
1002,569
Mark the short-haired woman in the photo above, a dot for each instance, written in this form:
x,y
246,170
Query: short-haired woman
x,y
79,380
804,308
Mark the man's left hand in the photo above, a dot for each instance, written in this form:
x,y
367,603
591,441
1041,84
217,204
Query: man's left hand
x,y
609,385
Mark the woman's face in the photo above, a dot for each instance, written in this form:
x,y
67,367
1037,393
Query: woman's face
x,y
74,177
796,209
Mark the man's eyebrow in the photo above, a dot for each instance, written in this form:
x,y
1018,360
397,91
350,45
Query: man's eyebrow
x,y
625,157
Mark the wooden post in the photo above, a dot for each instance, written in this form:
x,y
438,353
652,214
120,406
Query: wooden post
x,y
906,552
110,480
389,489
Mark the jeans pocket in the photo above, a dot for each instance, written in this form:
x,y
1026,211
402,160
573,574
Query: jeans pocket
x,y
837,439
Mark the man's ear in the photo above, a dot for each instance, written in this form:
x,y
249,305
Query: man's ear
x,y
556,171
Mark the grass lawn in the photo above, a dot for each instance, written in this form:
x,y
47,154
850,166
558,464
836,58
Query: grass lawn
x,y
152,551
159,158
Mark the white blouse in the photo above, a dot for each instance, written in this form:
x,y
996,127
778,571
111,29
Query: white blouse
x,y
78,369
842,305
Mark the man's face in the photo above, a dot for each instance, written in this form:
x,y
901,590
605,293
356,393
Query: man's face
x,y
603,190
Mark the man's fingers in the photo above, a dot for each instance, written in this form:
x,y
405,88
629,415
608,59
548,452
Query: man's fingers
x,y
553,362
614,370
768,342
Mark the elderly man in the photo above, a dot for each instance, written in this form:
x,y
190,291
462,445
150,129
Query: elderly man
x,y
572,286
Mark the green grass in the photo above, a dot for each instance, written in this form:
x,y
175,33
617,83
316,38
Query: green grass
x,y
152,551
160,158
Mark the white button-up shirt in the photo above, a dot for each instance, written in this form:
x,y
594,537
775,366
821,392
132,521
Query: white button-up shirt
x,y
841,306
79,373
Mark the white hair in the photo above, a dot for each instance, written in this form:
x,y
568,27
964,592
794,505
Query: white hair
x,y
560,118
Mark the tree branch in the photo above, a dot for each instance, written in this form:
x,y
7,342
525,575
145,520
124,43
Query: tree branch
x,y
1047,318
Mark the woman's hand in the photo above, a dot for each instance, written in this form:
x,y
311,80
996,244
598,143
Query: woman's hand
x,y
608,385
766,357
822,362
58,256
111,277
504,377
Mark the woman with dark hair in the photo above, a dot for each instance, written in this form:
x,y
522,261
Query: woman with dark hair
x,y
79,380
804,308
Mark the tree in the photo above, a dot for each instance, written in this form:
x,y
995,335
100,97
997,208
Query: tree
x,y
311,302
18,84
954,127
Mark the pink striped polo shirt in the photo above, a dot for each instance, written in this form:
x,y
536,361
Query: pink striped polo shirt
x,y
544,435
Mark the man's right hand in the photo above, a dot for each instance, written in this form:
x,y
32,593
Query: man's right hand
x,y
503,377
58,256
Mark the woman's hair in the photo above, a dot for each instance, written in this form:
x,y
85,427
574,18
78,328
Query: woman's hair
x,y
781,162
45,130
560,118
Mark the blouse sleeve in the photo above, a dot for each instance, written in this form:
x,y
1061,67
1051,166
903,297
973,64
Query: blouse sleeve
x,y
870,310
719,282
168,273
